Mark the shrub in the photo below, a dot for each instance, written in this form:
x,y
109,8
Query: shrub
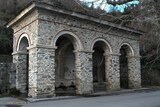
x,y
14,91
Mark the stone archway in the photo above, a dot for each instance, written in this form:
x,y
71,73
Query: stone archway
x,y
126,51
71,36
98,68
22,64
82,84
23,42
99,64
65,65
67,43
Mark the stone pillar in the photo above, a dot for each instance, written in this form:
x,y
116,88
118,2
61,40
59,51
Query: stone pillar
x,y
41,71
134,71
112,70
84,76
20,61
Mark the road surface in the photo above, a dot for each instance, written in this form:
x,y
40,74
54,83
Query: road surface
x,y
141,99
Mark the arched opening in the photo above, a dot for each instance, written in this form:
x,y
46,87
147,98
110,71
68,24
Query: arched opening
x,y
99,75
65,65
125,51
24,64
23,45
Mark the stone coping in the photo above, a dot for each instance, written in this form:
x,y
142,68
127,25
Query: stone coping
x,y
41,46
19,52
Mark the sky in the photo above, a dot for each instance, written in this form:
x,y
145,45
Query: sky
x,y
108,8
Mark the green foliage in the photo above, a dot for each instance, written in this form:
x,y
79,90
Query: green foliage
x,y
5,15
5,40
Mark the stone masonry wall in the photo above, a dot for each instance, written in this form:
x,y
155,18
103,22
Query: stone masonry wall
x,y
27,26
87,31
5,58
51,24
113,72
20,61
41,72
44,26
7,77
84,72
134,72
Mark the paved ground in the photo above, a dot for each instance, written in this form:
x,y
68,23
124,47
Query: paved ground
x,y
124,98
138,99
11,102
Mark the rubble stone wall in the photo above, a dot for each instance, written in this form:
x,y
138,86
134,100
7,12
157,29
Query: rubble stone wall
x,y
7,77
44,28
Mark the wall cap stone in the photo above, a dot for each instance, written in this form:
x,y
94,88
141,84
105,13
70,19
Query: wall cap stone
x,y
85,51
41,46
20,52
134,56
111,54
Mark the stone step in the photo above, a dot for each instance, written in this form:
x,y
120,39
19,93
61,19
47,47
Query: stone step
x,y
99,86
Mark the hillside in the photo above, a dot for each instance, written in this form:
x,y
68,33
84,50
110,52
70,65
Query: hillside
x,y
9,8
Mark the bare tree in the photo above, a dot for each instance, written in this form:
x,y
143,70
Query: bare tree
x,y
144,17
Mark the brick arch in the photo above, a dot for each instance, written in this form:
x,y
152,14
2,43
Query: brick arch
x,y
73,37
23,35
107,44
130,51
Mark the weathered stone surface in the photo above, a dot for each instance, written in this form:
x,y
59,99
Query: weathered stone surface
x,y
28,26
84,74
20,59
46,71
134,72
7,77
5,58
42,72
46,26
112,72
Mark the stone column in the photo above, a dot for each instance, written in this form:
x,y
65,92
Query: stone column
x,y
84,76
41,71
112,70
134,71
20,61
